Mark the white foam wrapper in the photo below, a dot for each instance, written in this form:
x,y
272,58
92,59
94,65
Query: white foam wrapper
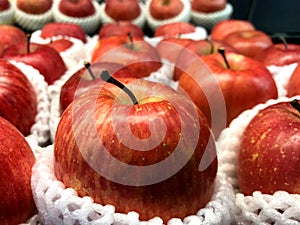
x,y
40,129
89,24
139,21
183,16
59,205
7,16
208,20
279,208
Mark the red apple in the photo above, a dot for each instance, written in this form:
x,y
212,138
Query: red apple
x,y
268,156
10,35
120,10
134,53
249,42
18,100
141,157
16,160
42,57
293,85
165,9
197,48
53,29
225,27
34,6
82,80
76,8
61,44
208,6
174,29
4,5
244,82
120,28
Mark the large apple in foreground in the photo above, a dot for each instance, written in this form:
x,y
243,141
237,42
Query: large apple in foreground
x,y
269,152
293,85
16,161
140,153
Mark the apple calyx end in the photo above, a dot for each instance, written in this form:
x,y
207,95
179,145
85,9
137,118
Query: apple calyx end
x,y
295,103
222,52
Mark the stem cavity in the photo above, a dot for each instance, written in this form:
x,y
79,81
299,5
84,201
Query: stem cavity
x,y
295,103
87,65
222,52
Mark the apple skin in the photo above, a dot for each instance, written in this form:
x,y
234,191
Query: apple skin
x,y
4,5
115,9
18,100
77,8
245,84
60,45
10,35
81,80
197,48
174,29
249,42
165,9
136,54
16,160
42,57
120,28
34,6
268,156
208,6
148,200
293,85
225,27
279,55
73,30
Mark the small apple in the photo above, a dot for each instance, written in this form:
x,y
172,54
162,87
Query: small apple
x,y
18,100
249,42
244,83
76,8
293,85
174,29
208,6
133,52
165,9
16,160
53,29
10,35
115,9
120,28
225,27
138,151
268,155
34,6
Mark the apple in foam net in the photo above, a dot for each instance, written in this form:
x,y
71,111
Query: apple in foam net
x,y
174,29
293,85
244,83
133,52
120,28
208,6
11,35
18,100
115,9
34,6
138,153
268,156
165,9
76,8
16,160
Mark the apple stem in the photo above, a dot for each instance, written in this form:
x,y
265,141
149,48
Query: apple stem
x,y
284,41
222,52
211,45
28,43
105,75
295,104
87,65
130,39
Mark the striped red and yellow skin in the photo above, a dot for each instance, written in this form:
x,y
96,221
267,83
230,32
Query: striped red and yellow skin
x,y
179,195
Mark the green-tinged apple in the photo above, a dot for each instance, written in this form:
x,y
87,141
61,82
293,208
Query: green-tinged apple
x,y
197,48
132,52
10,35
268,155
174,29
83,79
41,57
208,6
120,28
34,6
249,42
18,100
165,9
293,85
225,27
244,82
53,29
4,5
169,48
76,8
139,151
120,10
16,160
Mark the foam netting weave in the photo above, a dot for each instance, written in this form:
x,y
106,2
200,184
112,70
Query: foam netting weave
x,y
277,209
